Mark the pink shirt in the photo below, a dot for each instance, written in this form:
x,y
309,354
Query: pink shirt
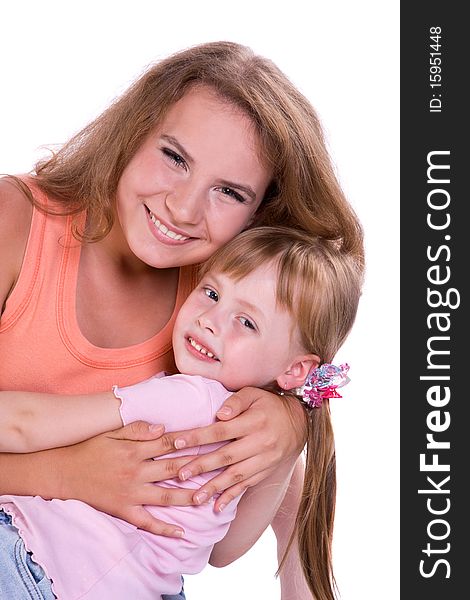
x,y
91,555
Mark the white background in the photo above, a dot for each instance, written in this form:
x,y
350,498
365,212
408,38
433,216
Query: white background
x,y
63,62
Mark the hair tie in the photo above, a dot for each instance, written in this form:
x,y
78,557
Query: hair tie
x,y
322,383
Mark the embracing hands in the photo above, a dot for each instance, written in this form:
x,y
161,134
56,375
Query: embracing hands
x,y
114,472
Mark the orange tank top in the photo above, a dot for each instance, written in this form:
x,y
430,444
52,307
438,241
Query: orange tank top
x,y
41,346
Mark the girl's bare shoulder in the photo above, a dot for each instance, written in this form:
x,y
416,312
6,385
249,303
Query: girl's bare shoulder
x,y
15,220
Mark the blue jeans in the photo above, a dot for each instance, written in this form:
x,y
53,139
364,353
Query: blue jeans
x,y
20,577
180,596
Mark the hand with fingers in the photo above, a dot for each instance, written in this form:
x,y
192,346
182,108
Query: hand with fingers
x,y
263,431
114,472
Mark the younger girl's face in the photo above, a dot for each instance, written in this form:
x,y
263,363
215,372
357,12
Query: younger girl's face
x,y
234,332
195,183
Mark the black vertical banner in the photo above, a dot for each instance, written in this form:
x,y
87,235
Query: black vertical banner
x,y
435,267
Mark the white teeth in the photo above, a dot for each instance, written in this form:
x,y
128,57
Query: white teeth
x,y
201,349
164,229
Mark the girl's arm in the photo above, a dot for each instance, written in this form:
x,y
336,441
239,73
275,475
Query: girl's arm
x,y
293,583
254,509
15,219
35,421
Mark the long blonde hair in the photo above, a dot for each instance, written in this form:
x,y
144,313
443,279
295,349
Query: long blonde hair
x,y
304,192
319,283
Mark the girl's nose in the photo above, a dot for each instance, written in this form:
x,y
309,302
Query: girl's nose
x,y
186,204
207,321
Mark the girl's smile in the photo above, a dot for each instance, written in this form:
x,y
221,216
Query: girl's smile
x,y
199,350
166,233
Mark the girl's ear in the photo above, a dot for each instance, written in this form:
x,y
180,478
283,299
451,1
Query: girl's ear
x,y
297,372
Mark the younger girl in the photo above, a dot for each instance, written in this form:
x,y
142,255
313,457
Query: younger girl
x,y
271,310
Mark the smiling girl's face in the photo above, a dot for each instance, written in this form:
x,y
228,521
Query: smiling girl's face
x,y
234,331
194,184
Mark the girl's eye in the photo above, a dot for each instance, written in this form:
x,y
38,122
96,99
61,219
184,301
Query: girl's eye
x,y
212,294
175,158
233,194
247,323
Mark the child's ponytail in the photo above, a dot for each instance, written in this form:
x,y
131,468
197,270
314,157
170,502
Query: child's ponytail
x,y
313,531
314,523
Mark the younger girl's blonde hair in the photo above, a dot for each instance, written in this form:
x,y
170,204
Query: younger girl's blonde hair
x,y
320,285
304,192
